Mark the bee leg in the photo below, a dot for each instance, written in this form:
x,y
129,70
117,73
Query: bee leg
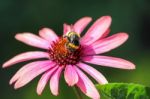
x,y
67,45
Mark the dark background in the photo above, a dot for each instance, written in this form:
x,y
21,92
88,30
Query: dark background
x,y
131,16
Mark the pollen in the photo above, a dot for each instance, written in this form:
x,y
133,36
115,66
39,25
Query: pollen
x,y
63,56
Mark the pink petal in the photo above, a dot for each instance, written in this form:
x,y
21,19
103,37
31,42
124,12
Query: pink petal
x,y
25,57
32,40
86,86
26,68
109,61
96,30
70,75
54,82
81,85
80,25
107,44
48,34
105,34
67,28
93,72
29,75
44,79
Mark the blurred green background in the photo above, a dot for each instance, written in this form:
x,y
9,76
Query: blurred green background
x,y
131,16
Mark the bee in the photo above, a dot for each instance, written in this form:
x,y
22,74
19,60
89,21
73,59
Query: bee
x,y
72,41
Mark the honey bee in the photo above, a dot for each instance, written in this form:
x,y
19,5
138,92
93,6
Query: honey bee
x,y
72,41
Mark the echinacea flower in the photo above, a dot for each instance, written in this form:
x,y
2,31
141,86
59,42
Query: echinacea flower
x,y
58,58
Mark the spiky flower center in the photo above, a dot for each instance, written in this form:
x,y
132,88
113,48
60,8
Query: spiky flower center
x,y
63,56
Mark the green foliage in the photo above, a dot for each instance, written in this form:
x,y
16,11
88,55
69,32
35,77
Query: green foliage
x,y
124,91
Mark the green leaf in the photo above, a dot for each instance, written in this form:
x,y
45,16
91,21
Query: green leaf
x,y
124,91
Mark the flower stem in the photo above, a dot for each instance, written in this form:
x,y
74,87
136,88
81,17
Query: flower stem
x,y
77,92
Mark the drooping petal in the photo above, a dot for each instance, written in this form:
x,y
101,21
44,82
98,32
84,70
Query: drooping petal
x,y
32,40
48,34
31,74
81,85
93,72
107,44
25,57
96,30
26,68
86,86
109,61
70,75
44,79
67,28
81,24
54,81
